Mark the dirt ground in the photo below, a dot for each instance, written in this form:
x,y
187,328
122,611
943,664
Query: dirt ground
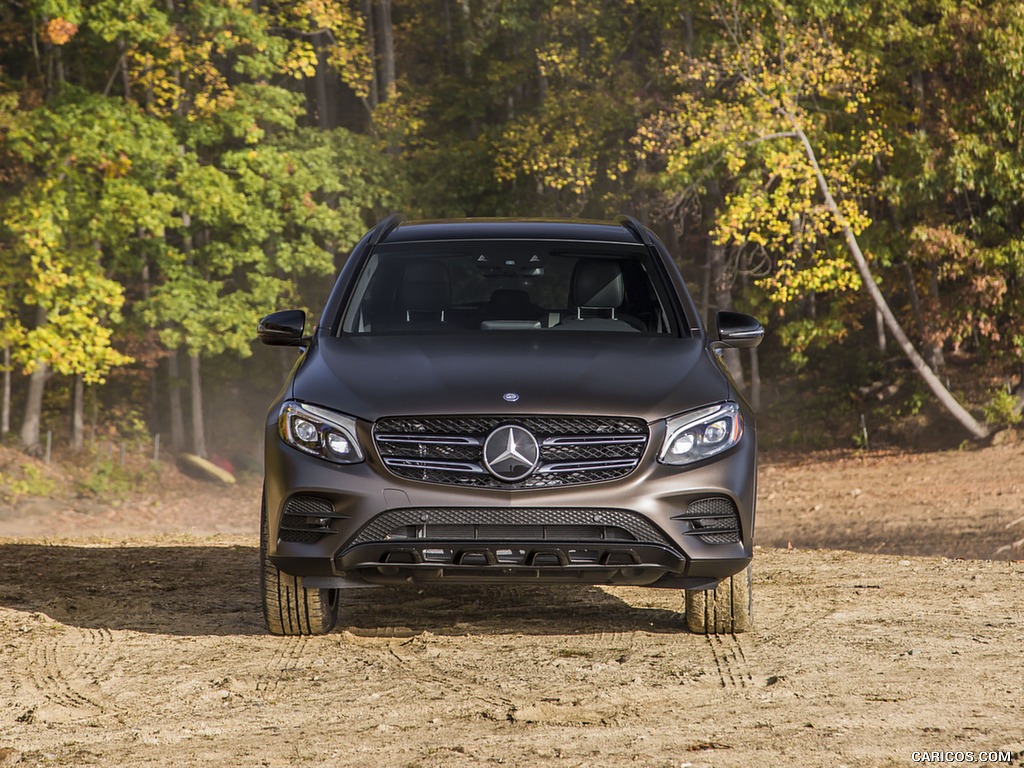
x,y
889,608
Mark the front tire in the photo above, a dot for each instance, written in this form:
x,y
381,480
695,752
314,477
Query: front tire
x,y
289,608
725,610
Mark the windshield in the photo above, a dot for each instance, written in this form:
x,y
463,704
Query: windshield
x,y
462,287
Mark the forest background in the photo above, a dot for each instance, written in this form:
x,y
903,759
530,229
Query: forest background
x,y
172,170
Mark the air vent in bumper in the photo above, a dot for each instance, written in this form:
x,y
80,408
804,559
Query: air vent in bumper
x,y
712,520
307,519
517,523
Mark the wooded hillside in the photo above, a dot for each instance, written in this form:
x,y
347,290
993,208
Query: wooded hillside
x,y
174,169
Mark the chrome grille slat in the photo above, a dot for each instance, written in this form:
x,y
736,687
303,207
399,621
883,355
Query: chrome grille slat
x,y
449,450
583,466
426,464
429,439
730,516
713,531
596,440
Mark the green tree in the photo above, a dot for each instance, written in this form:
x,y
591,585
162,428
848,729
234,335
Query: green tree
x,y
164,179
261,202
524,107
964,214
751,110
89,164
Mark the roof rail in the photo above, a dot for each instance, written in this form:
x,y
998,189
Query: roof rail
x,y
385,227
634,226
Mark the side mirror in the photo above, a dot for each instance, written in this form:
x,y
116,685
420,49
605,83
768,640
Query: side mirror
x,y
736,330
283,329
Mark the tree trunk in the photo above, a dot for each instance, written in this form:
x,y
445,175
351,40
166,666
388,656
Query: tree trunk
x,y
944,396
154,372
94,417
122,68
755,379
174,401
932,351
449,39
78,414
198,427
5,408
178,436
386,36
371,41
33,415
721,295
915,299
705,288
34,408
1019,408
467,58
59,59
687,18
755,360
717,288
323,118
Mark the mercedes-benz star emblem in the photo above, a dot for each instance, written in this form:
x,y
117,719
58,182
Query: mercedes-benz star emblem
x,y
511,453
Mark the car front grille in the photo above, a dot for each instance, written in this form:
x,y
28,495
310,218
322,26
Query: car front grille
x,y
449,450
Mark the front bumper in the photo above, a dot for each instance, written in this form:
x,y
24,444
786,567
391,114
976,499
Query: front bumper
x,y
660,546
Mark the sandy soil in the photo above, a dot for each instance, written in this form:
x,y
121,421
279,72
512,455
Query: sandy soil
x,y
889,607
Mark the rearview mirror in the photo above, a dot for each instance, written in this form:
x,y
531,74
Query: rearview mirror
x,y
282,329
734,329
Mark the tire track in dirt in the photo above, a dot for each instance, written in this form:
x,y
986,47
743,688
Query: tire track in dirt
x,y
67,670
734,670
624,641
283,665
421,658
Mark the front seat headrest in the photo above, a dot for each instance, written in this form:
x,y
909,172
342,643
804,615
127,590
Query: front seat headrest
x,y
426,287
597,284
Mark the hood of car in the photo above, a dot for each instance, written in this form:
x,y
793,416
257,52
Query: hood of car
x,y
509,373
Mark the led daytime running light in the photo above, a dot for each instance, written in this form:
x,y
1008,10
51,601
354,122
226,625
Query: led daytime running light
x,y
328,435
701,434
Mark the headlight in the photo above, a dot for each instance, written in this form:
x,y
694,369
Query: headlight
x,y
317,431
700,434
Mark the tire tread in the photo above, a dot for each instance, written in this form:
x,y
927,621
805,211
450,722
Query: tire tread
x,y
727,609
289,609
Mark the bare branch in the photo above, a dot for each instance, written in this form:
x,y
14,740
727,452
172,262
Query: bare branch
x,y
938,389
117,67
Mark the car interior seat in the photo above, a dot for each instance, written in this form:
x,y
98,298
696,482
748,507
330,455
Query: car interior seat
x,y
597,291
425,294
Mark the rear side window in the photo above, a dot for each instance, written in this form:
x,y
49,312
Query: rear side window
x,y
469,287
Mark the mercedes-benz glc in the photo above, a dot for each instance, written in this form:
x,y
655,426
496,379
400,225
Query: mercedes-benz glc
x,y
493,401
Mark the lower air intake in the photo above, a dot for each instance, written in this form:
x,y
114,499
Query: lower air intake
x,y
713,520
306,519
516,523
